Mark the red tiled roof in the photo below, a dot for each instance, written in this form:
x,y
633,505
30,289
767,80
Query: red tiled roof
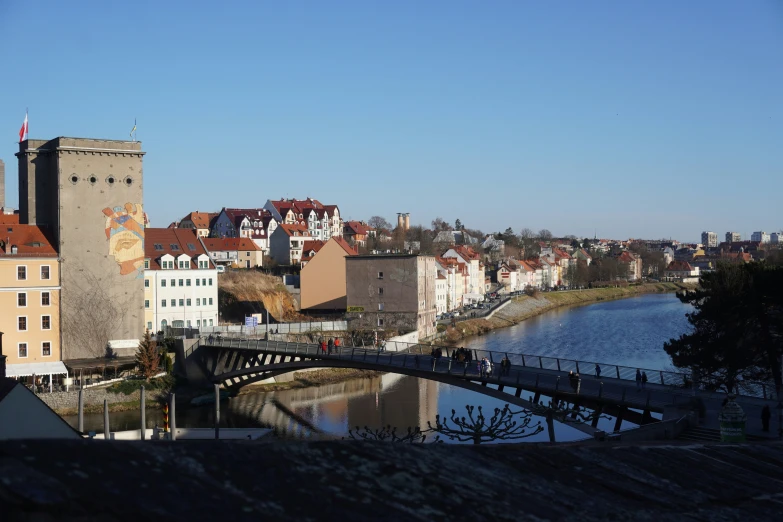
x,y
241,244
626,257
357,227
9,219
185,240
200,220
679,266
295,230
351,251
30,240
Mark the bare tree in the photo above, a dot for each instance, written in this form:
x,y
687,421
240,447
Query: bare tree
x,y
378,223
501,426
89,317
544,234
438,224
527,235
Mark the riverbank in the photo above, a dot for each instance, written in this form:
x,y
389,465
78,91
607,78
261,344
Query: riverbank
x,y
311,378
525,307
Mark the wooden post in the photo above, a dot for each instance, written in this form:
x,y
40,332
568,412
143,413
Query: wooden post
x,y
143,414
217,411
81,410
172,416
106,433
550,424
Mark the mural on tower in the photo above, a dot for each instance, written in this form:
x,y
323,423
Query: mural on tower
x,y
125,233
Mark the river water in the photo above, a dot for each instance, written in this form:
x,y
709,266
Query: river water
x,y
629,332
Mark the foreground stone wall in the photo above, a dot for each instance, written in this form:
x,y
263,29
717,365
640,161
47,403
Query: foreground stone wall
x,y
69,400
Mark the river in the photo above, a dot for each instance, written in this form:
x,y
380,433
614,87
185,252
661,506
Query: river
x,y
630,332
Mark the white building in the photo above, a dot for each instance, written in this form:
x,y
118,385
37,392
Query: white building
x,y
322,221
709,239
776,238
180,280
287,243
733,237
441,293
760,237
466,255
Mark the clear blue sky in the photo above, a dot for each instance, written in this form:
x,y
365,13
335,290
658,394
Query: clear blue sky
x,y
638,119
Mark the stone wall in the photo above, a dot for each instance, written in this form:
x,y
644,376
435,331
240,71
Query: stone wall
x,y
59,401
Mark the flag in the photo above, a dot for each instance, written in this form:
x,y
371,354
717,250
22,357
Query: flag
x,y
133,129
23,130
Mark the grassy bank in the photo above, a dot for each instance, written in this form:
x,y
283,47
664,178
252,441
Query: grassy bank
x,y
113,407
525,307
314,378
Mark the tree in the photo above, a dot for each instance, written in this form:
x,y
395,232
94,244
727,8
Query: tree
x,y
379,223
147,356
458,225
438,224
544,234
501,426
575,244
737,327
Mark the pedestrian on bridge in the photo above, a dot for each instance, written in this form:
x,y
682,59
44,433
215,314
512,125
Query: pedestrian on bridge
x,y
597,371
644,380
330,346
323,346
638,379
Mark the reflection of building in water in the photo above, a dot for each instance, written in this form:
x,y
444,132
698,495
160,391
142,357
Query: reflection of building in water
x,y
401,402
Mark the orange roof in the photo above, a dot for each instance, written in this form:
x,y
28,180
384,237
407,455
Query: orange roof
x,y
346,246
230,243
679,266
200,219
29,240
294,230
173,241
9,219
358,227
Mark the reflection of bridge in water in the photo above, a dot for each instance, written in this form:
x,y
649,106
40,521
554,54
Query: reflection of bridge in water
x,y
238,362
298,412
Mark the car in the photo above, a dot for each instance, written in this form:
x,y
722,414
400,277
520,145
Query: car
x,y
455,314
220,269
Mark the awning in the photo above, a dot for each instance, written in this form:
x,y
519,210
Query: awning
x,y
28,369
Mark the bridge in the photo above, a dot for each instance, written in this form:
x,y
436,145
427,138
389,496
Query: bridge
x,y
236,362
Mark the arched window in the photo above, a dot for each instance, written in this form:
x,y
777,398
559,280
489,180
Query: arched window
x,y
163,324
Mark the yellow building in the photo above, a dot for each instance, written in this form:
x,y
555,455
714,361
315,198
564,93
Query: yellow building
x,y
30,303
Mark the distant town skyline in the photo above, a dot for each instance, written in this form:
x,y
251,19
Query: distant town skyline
x,y
658,120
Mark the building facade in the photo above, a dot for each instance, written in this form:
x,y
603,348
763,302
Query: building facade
x,y
180,281
287,243
733,237
29,298
236,252
760,237
392,292
322,280
88,192
709,239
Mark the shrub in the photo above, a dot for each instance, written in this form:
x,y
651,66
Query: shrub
x,y
132,385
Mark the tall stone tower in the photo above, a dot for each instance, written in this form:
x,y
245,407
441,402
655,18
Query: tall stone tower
x,y
88,193
2,184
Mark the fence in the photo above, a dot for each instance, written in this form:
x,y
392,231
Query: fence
x,y
276,328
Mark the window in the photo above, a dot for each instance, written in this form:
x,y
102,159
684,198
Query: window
x,y
198,282
210,281
180,283
380,291
380,307
173,282
146,283
198,299
45,299
21,300
187,302
182,302
163,303
247,254
45,272
158,247
149,325
163,283
198,322
210,302
21,273
174,247
21,324
210,323
173,302
46,322
183,264
188,323
380,322
22,350
146,303
380,275
147,264
204,281
46,349
187,282
191,246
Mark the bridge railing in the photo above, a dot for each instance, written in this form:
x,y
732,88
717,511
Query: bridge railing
x,y
551,364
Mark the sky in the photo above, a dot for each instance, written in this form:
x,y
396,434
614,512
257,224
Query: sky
x,y
621,119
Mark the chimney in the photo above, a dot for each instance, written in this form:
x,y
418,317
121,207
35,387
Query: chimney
x,y
400,222
2,358
407,221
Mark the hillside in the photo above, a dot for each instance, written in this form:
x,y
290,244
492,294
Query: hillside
x,y
245,292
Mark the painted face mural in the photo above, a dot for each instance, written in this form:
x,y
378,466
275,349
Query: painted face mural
x,y
125,233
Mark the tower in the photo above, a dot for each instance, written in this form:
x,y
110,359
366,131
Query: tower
x,y
88,193
400,221
407,221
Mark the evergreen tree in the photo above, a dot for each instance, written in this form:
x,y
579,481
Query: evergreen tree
x,y
147,356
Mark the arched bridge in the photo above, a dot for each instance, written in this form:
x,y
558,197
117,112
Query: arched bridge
x,y
235,362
